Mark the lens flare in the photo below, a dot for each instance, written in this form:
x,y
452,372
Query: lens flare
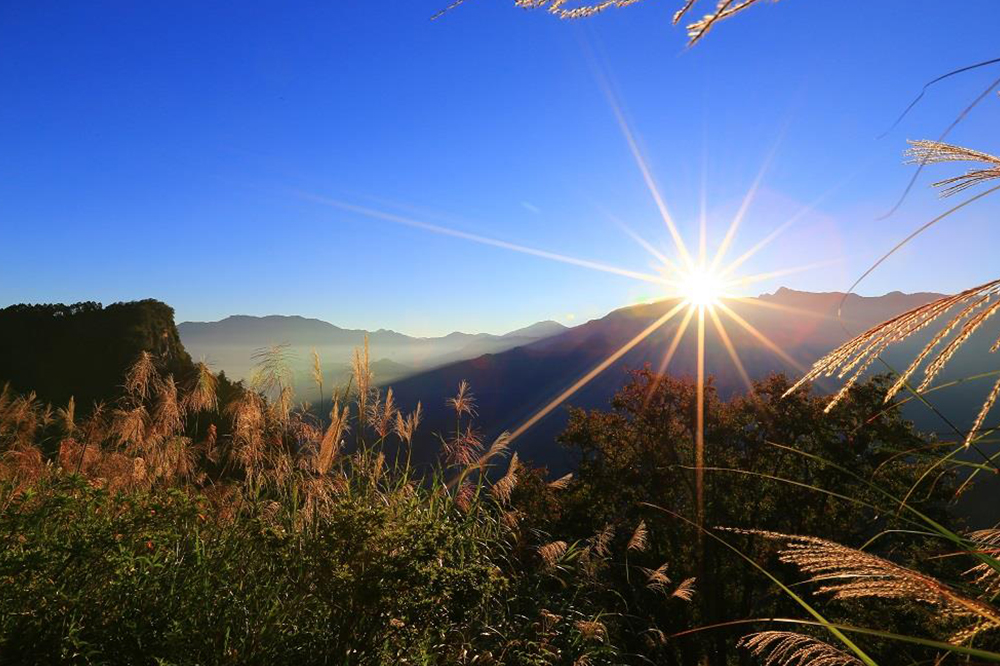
x,y
701,288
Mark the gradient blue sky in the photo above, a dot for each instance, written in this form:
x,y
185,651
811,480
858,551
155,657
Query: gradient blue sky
x,y
180,150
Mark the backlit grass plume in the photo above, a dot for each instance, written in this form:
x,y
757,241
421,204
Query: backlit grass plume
x,y
934,152
567,9
958,317
786,648
846,573
203,394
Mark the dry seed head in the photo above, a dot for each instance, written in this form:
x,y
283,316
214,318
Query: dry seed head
x,y
24,464
203,395
680,13
983,575
211,439
724,9
591,630
657,579
316,371
464,495
464,449
562,482
685,590
977,306
510,519
67,415
935,152
983,412
785,648
847,573
272,369
330,444
638,539
552,552
383,414
362,374
601,541
463,402
941,335
168,413
498,447
502,489
549,619
406,427
141,377
964,334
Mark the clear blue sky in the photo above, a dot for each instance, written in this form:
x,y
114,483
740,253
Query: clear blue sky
x,y
178,150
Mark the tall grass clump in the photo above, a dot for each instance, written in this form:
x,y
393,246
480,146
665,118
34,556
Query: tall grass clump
x,y
181,526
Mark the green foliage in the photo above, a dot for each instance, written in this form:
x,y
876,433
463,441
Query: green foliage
x,y
640,453
141,577
193,523
83,349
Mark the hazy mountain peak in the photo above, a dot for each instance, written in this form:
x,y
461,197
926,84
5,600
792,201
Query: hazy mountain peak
x,y
539,329
230,342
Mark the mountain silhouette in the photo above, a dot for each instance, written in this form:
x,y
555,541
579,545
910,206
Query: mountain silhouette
x,y
512,385
230,344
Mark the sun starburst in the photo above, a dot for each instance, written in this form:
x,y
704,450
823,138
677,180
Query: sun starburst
x,y
695,287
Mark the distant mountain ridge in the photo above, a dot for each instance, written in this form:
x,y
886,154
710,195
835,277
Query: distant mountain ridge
x,y
296,329
229,344
512,385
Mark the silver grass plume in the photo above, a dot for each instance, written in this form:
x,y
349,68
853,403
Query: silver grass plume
x,y
502,489
848,573
936,152
963,315
786,648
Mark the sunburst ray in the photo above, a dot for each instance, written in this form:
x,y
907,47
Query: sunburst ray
x,y
770,275
483,240
763,339
748,198
728,344
598,369
669,354
647,174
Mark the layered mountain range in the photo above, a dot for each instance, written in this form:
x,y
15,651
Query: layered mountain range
x,y
231,344
516,374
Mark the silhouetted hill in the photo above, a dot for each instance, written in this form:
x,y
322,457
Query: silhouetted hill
x,y
512,385
84,349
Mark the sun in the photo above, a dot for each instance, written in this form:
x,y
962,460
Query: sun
x,y
701,287
698,290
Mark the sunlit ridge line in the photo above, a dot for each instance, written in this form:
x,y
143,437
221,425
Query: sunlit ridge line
x,y
598,369
763,338
484,240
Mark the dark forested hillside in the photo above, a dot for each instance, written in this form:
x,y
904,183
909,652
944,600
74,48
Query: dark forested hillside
x,y
512,385
83,349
